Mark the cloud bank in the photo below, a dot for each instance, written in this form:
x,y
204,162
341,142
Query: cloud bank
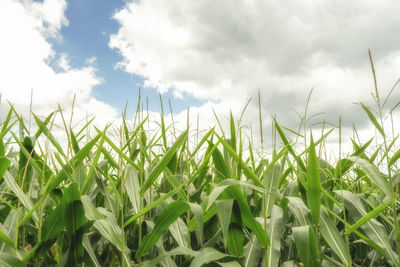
x,y
224,52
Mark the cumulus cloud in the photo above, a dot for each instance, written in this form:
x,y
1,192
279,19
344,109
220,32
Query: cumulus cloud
x,y
27,57
223,52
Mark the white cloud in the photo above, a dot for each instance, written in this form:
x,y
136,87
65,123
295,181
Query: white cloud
x,y
91,60
50,14
224,52
26,55
63,62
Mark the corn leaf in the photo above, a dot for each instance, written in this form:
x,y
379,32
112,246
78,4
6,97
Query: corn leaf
x,y
170,214
373,119
162,164
313,184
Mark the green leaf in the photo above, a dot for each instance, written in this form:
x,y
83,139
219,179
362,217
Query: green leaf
x,y
202,141
246,215
301,239
220,165
173,252
91,212
207,255
4,164
74,142
344,165
153,204
373,229
110,230
40,166
198,213
233,132
372,214
4,128
333,238
289,147
8,260
212,197
373,173
5,237
25,200
10,227
224,208
132,187
275,230
53,224
74,214
49,135
271,181
305,244
394,158
61,175
42,125
252,252
208,215
96,158
163,131
79,174
235,242
158,169
70,166
89,249
138,129
299,210
203,167
169,214
74,219
373,119
313,184
363,237
179,232
246,169
119,152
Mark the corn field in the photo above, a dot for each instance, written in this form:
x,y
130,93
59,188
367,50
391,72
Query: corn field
x,y
140,200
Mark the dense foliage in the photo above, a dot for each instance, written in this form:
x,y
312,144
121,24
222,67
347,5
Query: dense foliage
x,y
138,199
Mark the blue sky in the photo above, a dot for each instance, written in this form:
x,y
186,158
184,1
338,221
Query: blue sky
x,y
87,35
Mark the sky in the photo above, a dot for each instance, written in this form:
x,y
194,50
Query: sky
x,y
201,55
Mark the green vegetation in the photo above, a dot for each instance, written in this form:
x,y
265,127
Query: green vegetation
x,y
136,198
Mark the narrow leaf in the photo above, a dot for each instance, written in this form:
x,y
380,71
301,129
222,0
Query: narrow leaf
x,y
224,208
373,119
169,214
313,184
158,169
